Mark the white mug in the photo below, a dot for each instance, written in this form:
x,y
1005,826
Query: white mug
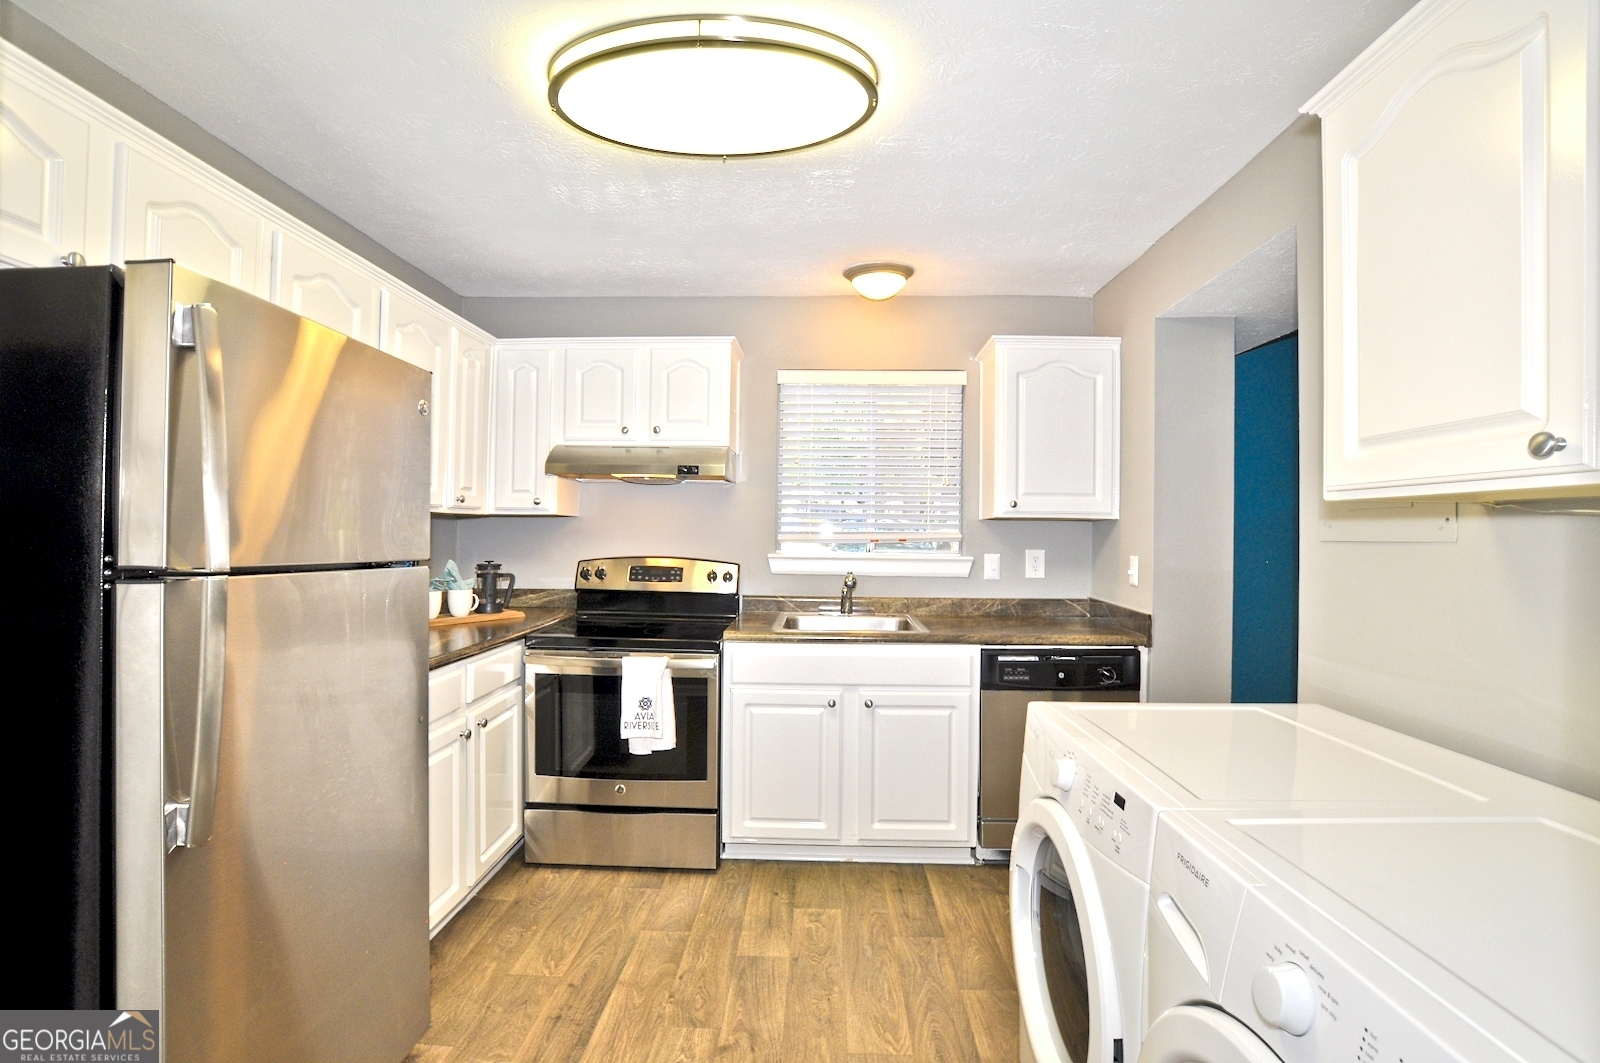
x,y
435,601
462,602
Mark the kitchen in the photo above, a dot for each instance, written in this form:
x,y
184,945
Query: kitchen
x,y
1472,626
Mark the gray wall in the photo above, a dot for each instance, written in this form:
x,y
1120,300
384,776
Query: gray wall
x,y
1489,645
738,522
77,65
1191,569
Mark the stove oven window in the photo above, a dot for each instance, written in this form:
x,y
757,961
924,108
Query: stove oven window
x,y
577,720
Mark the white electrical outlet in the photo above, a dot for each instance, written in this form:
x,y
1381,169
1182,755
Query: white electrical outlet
x,y
1033,565
991,566
1133,570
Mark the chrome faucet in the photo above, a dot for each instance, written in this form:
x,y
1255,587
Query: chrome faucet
x,y
847,594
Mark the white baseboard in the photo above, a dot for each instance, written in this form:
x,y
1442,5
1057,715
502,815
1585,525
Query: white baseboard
x,y
865,854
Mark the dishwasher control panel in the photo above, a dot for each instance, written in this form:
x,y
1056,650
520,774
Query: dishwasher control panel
x,y
1061,668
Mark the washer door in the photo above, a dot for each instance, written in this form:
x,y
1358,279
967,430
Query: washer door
x,y
1194,1034
1061,942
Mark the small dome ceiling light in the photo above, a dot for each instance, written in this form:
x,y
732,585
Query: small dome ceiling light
x,y
713,85
879,280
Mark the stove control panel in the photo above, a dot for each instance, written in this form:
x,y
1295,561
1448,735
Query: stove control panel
x,y
673,574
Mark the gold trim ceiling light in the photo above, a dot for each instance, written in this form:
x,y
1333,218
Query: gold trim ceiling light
x,y
878,280
719,86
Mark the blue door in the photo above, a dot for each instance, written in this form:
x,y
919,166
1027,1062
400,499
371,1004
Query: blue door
x,y
1266,522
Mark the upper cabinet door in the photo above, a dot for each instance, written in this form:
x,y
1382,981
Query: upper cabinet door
x,y
44,168
179,213
411,333
1460,167
600,388
689,394
1051,433
470,384
326,287
523,407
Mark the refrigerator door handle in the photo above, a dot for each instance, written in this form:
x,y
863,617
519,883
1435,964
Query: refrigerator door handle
x,y
196,327
189,822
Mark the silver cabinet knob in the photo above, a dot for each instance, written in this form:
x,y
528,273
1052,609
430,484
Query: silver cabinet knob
x,y
621,789
656,429
624,429
868,703
461,500
1543,444
538,501
467,734
831,703
1013,503
422,407
484,722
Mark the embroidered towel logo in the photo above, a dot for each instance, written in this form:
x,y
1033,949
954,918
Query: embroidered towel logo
x,y
645,719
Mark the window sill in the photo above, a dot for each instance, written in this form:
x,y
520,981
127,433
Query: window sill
x,y
950,565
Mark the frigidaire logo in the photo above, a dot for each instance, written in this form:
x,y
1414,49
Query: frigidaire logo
x,y
79,1036
1195,871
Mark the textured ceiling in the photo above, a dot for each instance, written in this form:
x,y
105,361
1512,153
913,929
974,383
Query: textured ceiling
x,y
1021,148
1259,292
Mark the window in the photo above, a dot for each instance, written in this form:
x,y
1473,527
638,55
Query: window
x,y
869,472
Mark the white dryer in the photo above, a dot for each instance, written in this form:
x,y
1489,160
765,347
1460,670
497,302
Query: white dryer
x,y
1094,781
1307,938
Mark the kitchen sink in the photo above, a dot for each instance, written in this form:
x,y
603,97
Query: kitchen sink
x,y
840,624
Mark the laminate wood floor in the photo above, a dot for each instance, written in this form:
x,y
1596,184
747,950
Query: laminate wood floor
x,y
833,963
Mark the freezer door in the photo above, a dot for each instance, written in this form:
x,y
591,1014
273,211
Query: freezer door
x,y
298,930
252,438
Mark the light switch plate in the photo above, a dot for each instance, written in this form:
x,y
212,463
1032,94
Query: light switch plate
x,y
1033,566
1133,570
991,566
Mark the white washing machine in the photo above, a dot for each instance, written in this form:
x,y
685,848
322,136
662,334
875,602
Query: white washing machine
x,y
1305,938
1094,781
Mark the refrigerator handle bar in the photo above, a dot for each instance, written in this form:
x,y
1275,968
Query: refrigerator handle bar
x,y
196,326
189,823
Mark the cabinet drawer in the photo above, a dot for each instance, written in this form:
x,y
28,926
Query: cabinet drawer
x,y
491,671
447,691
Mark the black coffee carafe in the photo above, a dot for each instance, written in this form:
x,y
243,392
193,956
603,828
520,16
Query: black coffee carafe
x,y
494,587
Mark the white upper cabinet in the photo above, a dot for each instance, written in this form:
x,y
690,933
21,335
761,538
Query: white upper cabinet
x,y
1461,187
173,211
522,389
644,392
1051,427
470,426
325,285
44,169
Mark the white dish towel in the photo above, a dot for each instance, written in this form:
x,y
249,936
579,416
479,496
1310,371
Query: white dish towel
x,y
648,721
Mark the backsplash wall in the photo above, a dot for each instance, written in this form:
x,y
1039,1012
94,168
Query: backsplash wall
x,y
738,522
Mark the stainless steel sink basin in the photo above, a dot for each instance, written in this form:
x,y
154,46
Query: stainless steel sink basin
x,y
839,624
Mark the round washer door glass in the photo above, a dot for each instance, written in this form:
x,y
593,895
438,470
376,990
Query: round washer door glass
x,y
1066,969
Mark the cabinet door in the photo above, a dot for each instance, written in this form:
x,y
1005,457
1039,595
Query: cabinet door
x,y
470,387
785,757
497,789
44,173
1460,229
914,765
326,287
600,389
689,394
450,874
173,212
522,412
1057,435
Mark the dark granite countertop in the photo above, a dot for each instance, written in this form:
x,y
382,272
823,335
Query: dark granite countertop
x,y
446,645
970,621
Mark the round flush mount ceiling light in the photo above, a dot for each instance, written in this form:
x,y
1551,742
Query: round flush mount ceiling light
x,y
719,86
879,280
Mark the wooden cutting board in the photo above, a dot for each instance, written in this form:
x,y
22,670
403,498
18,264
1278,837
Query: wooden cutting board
x,y
446,620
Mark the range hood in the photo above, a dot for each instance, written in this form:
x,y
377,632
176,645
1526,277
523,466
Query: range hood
x,y
643,465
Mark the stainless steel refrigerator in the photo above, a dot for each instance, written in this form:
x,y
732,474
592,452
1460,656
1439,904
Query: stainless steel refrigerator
x,y
214,511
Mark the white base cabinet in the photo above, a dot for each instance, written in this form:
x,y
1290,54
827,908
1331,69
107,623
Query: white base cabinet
x,y
850,745
1051,428
474,775
1461,243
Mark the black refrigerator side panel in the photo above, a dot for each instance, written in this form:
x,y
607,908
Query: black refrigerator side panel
x,y
59,336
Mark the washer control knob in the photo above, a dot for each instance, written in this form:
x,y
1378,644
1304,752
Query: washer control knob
x,y
1066,774
1285,997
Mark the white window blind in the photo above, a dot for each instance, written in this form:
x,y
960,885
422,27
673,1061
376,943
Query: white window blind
x,y
870,465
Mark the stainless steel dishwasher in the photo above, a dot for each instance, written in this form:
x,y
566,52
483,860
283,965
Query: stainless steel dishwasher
x,y
1010,679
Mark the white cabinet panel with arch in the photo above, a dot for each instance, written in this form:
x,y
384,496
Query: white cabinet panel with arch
x,y
648,391
1051,427
171,212
469,410
523,409
689,388
325,286
44,167
601,393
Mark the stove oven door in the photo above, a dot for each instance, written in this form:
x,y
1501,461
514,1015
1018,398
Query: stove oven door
x,y
576,755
